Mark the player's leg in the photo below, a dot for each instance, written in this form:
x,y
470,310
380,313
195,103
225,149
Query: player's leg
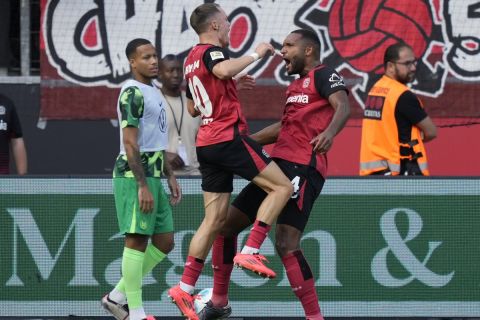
x,y
217,185
137,228
255,165
298,270
241,214
162,239
216,205
289,230
162,242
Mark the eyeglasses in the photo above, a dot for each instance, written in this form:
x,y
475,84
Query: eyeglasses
x,y
407,64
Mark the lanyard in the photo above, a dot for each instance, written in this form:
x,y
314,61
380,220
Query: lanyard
x,y
179,128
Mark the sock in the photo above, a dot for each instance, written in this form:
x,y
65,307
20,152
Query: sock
x,y
301,280
137,314
132,274
193,269
152,257
257,236
117,295
223,251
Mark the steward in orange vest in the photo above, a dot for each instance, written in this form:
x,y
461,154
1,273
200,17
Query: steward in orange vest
x,y
395,124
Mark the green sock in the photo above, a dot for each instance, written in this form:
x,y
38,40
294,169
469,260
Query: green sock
x,y
132,276
153,256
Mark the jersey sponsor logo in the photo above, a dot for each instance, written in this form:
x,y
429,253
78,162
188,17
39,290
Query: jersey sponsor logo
x,y
215,55
306,82
336,80
373,108
299,98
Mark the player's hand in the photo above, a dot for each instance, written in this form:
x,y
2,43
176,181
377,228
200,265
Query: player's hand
x,y
175,190
245,82
145,199
323,142
264,48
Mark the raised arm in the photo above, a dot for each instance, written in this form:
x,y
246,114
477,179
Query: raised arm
x,y
229,68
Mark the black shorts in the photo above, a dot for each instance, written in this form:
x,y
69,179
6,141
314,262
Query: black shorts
x,y
307,183
220,162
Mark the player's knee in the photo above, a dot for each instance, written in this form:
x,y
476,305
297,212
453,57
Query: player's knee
x,y
283,247
169,245
285,189
164,244
217,224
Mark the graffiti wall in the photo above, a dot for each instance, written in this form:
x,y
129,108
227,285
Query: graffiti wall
x,y
83,43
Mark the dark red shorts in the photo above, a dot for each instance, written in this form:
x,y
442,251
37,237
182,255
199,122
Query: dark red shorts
x,y
307,184
220,162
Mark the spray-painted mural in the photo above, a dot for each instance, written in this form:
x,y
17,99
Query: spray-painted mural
x,y
84,42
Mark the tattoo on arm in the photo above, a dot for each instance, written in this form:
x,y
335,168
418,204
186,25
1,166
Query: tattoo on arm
x,y
167,169
135,164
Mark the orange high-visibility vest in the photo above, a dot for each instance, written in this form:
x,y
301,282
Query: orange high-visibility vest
x,y
380,147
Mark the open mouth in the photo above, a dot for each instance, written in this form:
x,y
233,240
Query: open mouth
x,y
287,63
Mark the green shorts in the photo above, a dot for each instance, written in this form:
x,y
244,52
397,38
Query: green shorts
x,y
130,218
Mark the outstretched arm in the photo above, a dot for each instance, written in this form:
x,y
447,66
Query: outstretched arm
x,y
229,68
268,134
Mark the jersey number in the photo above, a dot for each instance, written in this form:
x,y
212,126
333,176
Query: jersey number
x,y
296,186
200,97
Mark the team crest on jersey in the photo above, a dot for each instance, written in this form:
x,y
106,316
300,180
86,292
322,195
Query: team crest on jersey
x,y
2,110
306,82
216,55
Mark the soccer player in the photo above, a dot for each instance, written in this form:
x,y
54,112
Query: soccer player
x,y
224,149
316,109
143,209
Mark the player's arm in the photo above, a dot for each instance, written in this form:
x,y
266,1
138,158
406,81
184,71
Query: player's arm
x,y
194,112
225,68
131,108
245,82
175,191
20,155
336,93
268,134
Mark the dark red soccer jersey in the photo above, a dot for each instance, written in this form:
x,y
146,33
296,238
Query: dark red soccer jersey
x,y
216,99
307,113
